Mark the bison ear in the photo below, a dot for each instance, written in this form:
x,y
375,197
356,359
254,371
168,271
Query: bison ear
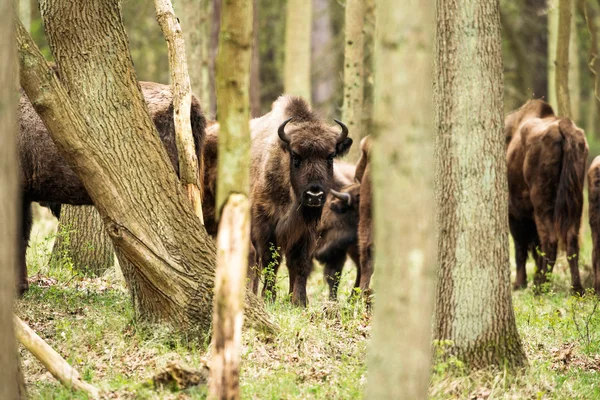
x,y
342,147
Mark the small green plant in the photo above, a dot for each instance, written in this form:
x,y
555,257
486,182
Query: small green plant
x,y
269,274
585,316
444,361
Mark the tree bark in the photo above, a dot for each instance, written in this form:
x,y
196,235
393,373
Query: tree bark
x,y
166,256
354,72
230,282
552,42
190,168
9,209
402,154
473,305
369,70
83,239
296,73
563,101
574,68
591,17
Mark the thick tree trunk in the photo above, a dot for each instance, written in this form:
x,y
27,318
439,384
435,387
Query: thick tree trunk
x,y
9,208
82,239
402,155
296,73
563,101
166,256
473,306
552,41
354,46
190,168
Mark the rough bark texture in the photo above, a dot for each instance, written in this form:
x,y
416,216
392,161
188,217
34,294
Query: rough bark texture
x,y
562,58
401,157
473,304
82,238
190,168
233,79
552,42
166,256
296,75
354,72
230,283
9,209
58,366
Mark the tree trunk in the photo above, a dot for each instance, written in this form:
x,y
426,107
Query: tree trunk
x,y
473,305
574,68
324,72
552,41
354,72
166,256
591,18
9,209
563,101
296,73
369,50
230,282
402,155
215,27
190,168
83,240
255,66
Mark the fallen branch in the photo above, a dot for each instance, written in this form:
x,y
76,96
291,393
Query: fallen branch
x,y
53,361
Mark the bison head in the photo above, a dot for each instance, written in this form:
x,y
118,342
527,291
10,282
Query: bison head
x,y
347,200
312,147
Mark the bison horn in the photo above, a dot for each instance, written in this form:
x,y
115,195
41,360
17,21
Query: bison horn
x,y
344,133
281,131
342,196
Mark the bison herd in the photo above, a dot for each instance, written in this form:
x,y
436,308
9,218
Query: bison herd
x,y
311,205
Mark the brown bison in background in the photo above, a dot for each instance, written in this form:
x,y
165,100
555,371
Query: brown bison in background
x,y
338,235
594,208
546,158
46,177
365,230
293,154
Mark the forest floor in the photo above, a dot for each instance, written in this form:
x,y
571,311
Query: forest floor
x,y
320,352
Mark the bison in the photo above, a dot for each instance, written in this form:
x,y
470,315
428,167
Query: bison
x,y
594,208
546,157
47,177
293,153
338,235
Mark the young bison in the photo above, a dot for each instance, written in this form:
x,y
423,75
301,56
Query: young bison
x,y
594,208
546,158
46,177
338,235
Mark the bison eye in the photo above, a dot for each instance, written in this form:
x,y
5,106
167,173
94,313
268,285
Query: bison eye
x,y
330,159
295,160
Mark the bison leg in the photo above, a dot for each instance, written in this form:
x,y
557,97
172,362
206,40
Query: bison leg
x,y
573,259
26,223
333,272
300,266
366,271
522,232
549,243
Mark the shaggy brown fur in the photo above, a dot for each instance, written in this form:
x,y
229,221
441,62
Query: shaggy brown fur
x,y
46,176
594,208
338,237
546,158
365,234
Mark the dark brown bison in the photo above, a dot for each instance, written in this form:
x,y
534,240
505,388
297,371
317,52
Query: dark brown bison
x,y
293,153
594,208
338,235
46,177
365,234
546,158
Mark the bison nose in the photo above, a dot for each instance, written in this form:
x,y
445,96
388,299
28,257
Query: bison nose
x,y
315,197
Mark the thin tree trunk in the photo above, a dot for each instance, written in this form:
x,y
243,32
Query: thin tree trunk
x,y
354,46
552,41
190,168
296,73
574,67
83,240
10,375
255,66
367,123
563,101
166,256
404,303
473,306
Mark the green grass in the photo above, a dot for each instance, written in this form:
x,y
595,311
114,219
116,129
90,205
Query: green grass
x,y
320,352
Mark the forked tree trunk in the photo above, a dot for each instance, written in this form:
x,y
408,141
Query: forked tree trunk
x,y
354,47
233,186
166,256
82,239
190,168
10,375
562,58
473,306
296,73
405,268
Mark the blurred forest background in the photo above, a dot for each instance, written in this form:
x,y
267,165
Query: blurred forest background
x,y
529,32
